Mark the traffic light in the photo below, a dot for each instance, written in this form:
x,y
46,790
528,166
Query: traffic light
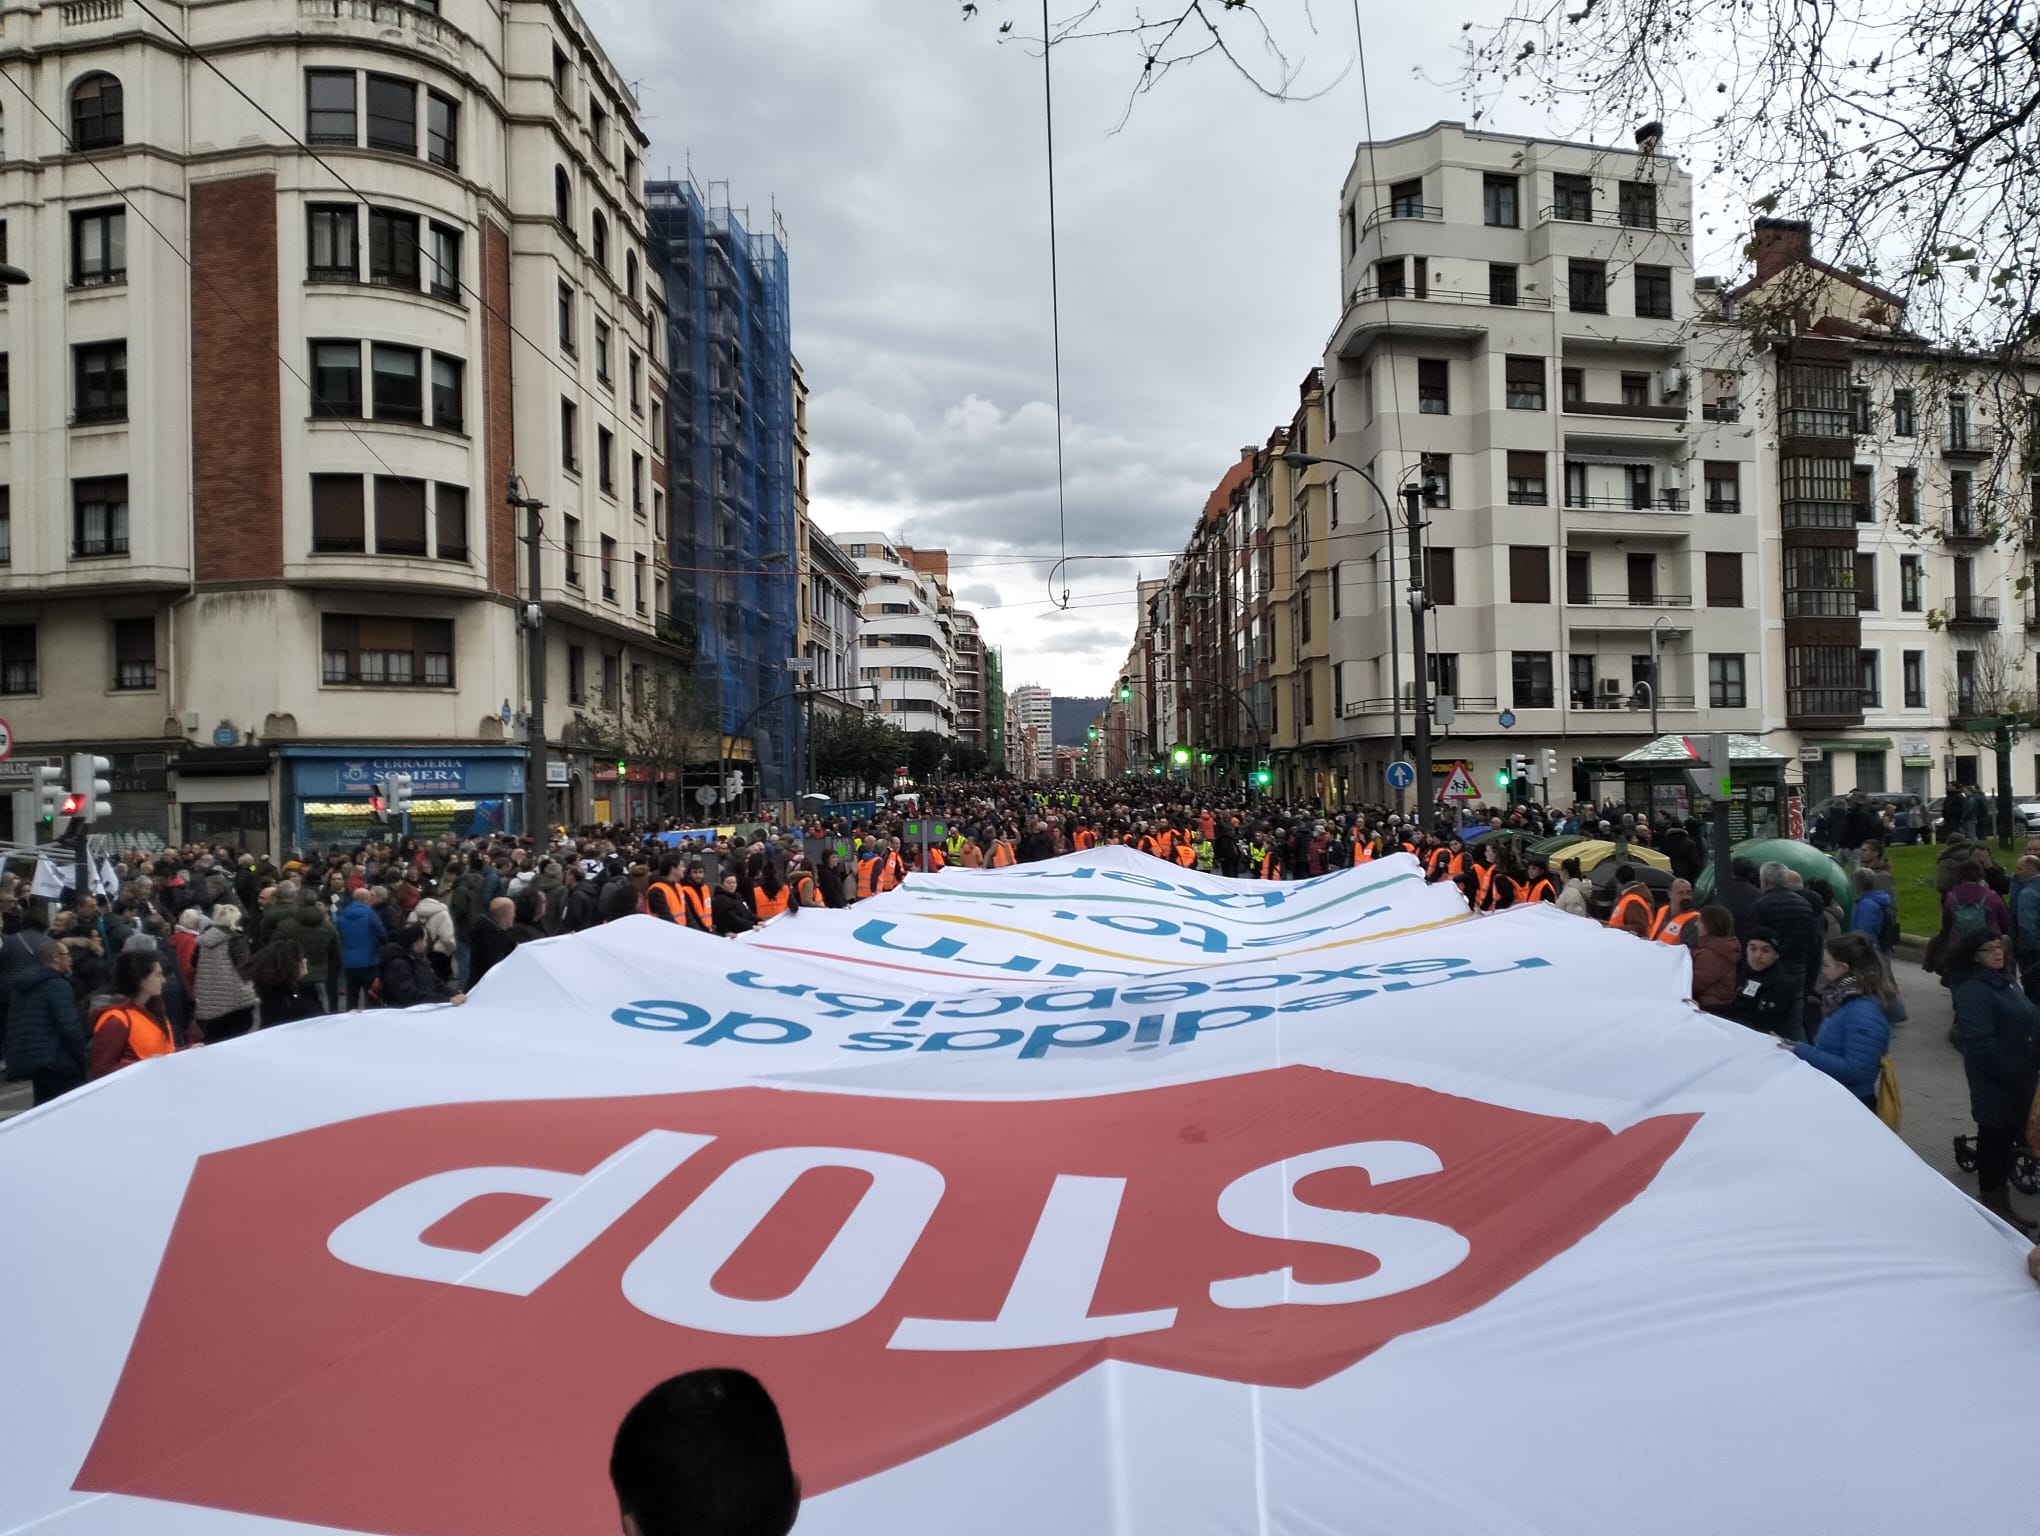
x,y
1091,733
1125,693
399,794
378,804
87,785
1550,767
1262,776
1502,778
49,794
1180,757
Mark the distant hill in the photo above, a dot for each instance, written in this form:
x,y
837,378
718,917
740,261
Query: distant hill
x,y
1073,717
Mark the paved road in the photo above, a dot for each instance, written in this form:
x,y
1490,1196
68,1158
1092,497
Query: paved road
x,y
1935,1099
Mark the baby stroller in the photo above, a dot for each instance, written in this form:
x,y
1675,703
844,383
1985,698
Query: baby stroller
x,y
2025,1171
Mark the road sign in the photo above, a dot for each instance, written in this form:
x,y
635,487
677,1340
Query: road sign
x,y
704,796
1401,775
800,664
6,741
225,736
1508,720
1459,785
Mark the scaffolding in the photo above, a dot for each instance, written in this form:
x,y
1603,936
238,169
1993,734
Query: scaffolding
x,y
730,501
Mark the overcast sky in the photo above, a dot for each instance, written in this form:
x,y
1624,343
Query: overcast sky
x,y
1198,249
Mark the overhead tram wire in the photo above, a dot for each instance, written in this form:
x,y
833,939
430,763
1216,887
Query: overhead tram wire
x,y
1054,295
185,257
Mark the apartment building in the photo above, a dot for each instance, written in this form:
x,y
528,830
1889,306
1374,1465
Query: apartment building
x,y
1907,482
906,640
1517,337
268,387
1306,603
970,682
1030,713
1128,731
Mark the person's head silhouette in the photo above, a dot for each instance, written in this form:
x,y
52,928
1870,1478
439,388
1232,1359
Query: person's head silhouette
x,y
704,1454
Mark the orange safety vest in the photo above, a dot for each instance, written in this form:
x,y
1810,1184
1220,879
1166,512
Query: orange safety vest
x,y
1440,863
1539,890
697,904
770,906
1186,854
1002,853
866,869
1084,838
1363,852
146,1037
972,857
805,892
1483,887
1268,865
935,860
1623,907
1670,927
891,870
669,894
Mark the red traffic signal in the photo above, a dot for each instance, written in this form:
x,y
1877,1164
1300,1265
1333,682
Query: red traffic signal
x,y
72,805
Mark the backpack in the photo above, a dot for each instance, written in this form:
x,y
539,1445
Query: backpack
x,y
1888,935
1969,916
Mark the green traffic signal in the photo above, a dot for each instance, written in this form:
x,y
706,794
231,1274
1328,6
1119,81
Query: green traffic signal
x,y
1125,693
1262,776
1180,757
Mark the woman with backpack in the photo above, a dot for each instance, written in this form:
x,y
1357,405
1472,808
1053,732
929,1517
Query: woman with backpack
x,y
1970,906
1875,913
225,998
1996,1027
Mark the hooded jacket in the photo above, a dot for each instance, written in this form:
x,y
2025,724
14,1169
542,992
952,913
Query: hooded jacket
x,y
361,935
1715,959
222,989
312,931
43,1031
1851,1042
1868,916
1995,1026
437,920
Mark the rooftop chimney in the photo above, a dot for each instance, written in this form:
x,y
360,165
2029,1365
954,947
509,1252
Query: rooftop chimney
x,y
1781,243
1648,137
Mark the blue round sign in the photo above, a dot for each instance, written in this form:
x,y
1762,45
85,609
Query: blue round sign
x,y
225,736
1401,775
1508,719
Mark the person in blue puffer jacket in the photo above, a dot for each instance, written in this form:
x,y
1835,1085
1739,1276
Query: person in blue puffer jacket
x,y
1873,906
1855,1029
361,942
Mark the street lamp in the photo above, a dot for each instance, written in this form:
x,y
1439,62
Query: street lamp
x,y
11,276
1299,460
1654,672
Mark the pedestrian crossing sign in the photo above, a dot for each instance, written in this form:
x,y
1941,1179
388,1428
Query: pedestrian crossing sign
x,y
1459,785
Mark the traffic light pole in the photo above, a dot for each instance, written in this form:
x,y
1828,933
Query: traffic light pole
x,y
1427,791
535,792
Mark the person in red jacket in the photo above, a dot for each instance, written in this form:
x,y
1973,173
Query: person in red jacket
x,y
136,1027
1717,958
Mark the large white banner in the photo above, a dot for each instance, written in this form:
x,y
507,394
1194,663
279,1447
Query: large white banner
x,y
1093,1197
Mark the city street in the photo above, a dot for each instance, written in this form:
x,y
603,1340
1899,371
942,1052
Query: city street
x,y
1936,1100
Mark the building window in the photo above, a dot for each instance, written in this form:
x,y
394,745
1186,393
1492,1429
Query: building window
x,y
1866,581
1406,200
1902,413
442,130
1636,390
1636,204
572,541
1579,584
336,378
566,317
1958,422
1433,393
1654,293
1860,409
1914,671
449,522
398,393
1639,476
392,114
332,239
1434,472
6,527
17,658
329,111
399,516
1523,384
1725,682
1862,494
563,200
598,129
1724,580
1336,584
1572,198
1961,508
1441,575
1501,283
96,113
1575,483
134,655
1572,385
562,73
630,275
605,460
1530,679
570,434
577,675
1498,201
1723,479
1869,667
612,683
1420,276
98,247
608,569
1910,598
1965,682
448,413
99,517
1908,496
636,370
392,248
1529,573
1526,479
1388,278
639,566
100,371
442,262
6,395
338,525
599,245
602,352
377,652
1587,286
637,484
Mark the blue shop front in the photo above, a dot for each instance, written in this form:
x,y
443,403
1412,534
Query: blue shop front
x,y
470,793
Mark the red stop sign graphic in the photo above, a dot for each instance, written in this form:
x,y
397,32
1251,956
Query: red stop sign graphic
x,y
430,1321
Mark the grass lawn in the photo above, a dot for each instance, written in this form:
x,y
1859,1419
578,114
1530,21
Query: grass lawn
x,y
1919,904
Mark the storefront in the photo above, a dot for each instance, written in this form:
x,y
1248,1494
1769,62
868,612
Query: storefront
x,y
223,797
471,793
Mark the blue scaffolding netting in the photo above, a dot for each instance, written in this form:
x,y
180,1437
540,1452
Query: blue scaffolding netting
x,y
730,507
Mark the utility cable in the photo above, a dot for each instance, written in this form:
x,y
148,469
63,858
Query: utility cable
x,y
1054,293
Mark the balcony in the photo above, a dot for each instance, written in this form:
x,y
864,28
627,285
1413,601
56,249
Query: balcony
x,y
1973,613
1661,501
1823,707
1615,600
78,13
1817,516
1965,527
1551,213
1367,294
1820,603
1817,421
1969,443
1625,409
1721,410
1395,213
1626,699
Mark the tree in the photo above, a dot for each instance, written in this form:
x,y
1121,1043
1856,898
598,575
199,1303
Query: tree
x,y
1908,136
674,729
967,761
1994,705
856,748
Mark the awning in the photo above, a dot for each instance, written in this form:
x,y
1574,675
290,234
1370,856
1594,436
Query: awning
x,y
1854,744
